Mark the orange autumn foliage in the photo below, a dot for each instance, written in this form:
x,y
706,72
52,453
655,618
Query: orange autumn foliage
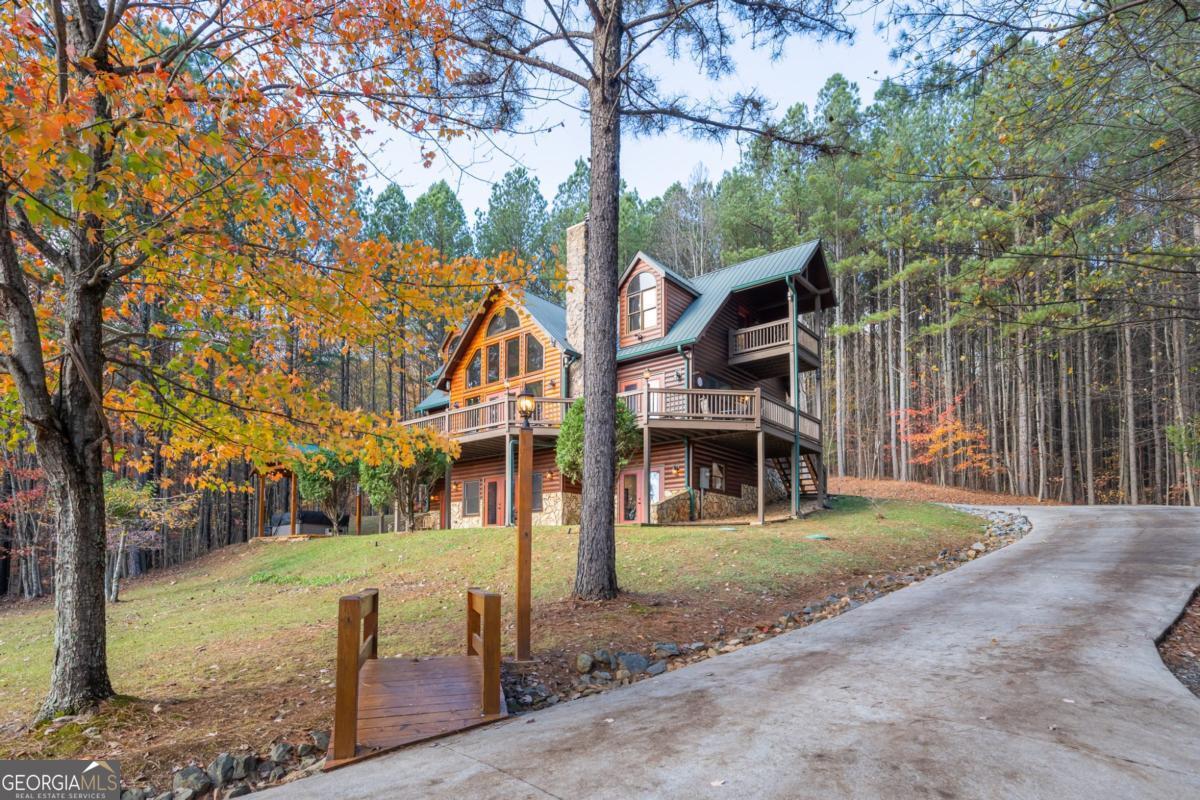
x,y
939,435
205,154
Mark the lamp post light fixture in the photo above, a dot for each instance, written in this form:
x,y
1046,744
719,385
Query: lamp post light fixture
x,y
525,406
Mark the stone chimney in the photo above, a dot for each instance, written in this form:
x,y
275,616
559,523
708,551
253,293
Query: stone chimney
x,y
576,266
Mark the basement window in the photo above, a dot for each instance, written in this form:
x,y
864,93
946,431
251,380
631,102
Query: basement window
x,y
470,498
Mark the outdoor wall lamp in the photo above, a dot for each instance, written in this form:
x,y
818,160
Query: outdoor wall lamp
x,y
525,403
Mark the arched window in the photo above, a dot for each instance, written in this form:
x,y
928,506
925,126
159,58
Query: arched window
x,y
473,370
642,302
505,320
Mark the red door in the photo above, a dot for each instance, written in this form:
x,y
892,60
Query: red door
x,y
493,502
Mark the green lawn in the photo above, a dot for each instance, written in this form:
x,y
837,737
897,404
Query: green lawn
x,y
252,626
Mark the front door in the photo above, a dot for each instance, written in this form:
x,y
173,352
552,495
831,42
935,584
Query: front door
x,y
493,502
631,495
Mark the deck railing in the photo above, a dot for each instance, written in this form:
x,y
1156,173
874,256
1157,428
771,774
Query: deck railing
x,y
493,415
738,406
769,336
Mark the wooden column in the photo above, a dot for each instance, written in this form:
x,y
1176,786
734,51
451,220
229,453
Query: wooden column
x,y
262,505
524,539
508,480
358,512
762,478
294,490
645,454
447,520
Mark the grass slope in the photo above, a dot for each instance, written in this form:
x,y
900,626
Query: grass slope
x,y
237,648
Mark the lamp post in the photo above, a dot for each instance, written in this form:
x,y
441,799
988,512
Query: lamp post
x,y
525,407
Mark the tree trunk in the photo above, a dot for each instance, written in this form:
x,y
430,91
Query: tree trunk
x,y
596,568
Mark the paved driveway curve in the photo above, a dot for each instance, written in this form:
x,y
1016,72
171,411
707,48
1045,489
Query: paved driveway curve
x,y
1030,673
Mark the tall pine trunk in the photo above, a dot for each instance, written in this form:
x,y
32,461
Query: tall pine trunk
x,y
596,569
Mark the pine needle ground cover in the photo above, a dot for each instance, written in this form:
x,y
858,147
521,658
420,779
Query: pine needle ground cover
x,y
237,649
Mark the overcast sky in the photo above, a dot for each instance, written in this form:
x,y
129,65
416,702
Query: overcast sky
x,y
648,164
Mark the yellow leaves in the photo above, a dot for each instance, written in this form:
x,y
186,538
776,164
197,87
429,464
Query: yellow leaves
x,y
1158,144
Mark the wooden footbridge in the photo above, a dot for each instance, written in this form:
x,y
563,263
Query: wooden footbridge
x,y
385,703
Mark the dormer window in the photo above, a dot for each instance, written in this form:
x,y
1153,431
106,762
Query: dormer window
x,y
642,303
505,320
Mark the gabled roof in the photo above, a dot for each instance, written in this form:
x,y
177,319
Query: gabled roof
x,y
433,401
715,287
550,317
669,273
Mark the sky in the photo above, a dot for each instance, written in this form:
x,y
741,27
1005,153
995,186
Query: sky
x,y
648,164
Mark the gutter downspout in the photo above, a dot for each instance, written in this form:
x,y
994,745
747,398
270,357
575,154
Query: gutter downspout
x,y
794,380
687,442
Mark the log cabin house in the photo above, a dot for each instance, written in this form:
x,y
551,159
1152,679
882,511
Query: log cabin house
x,y
722,371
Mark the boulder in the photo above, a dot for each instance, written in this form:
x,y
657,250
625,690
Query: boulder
x,y
665,649
192,778
603,658
244,766
306,750
321,740
281,752
583,663
657,668
222,768
633,663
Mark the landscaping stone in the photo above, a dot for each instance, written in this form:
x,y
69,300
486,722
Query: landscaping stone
x,y
321,740
601,675
192,778
633,663
135,794
281,752
244,765
603,658
583,663
184,794
657,668
237,791
306,750
165,796
665,649
222,768
621,674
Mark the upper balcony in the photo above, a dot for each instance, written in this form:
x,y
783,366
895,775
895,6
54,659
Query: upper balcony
x,y
481,429
716,410
769,346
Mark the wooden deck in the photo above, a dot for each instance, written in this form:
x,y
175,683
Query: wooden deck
x,y
402,701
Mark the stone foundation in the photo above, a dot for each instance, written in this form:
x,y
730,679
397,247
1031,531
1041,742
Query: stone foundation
x,y
714,505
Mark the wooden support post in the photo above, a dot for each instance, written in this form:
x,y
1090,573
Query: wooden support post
x,y
358,512
508,480
524,540
295,501
762,478
794,387
491,654
345,707
262,505
646,452
447,520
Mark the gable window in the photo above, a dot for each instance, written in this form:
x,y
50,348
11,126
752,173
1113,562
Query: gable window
x,y
534,353
493,363
642,303
470,498
512,357
504,320
473,370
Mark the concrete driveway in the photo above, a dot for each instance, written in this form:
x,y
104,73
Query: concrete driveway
x,y
1030,673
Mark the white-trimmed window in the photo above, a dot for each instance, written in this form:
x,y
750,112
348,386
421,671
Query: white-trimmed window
x,y
641,304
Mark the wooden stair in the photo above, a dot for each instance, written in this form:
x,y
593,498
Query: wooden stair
x,y
807,473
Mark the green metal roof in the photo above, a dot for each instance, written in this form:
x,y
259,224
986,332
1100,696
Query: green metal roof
x,y
714,289
551,316
433,401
